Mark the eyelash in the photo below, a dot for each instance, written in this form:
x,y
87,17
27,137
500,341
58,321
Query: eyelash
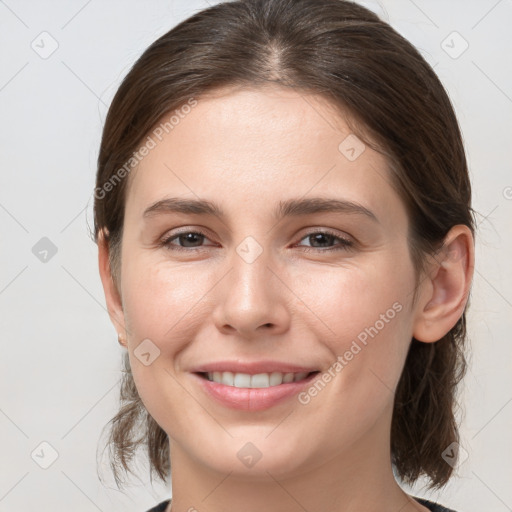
x,y
344,244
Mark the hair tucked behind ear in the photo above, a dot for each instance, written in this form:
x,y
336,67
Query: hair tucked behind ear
x,y
345,53
424,423
132,428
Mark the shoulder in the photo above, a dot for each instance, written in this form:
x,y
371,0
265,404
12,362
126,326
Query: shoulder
x,y
160,507
434,507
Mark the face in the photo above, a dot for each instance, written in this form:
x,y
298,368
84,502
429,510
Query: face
x,y
305,262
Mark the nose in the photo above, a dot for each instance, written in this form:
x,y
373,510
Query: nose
x,y
252,300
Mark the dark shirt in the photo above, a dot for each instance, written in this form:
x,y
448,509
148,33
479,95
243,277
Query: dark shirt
x,y
433,507
160,507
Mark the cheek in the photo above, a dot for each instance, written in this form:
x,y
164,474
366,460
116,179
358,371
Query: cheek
x,y
362,313
368,341
163,311
159,301
159,308
351,297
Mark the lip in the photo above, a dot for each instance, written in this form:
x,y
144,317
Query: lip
x,y
252,367
252,399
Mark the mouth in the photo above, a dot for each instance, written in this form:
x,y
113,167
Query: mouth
x,y
253,392
258,380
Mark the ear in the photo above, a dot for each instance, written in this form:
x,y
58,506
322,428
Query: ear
x,y
446,288
112,295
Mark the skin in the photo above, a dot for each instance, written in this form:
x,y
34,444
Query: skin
x,y
248,149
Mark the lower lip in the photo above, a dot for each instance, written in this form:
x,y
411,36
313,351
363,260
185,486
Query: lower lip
x,y
253,399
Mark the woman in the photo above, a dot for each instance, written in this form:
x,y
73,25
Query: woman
x,y
286,246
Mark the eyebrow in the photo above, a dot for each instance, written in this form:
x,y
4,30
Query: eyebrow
x,y
290,207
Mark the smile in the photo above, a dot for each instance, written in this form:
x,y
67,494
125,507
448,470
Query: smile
x,y
259,380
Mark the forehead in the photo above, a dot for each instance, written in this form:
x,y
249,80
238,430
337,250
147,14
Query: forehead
x,y
257,143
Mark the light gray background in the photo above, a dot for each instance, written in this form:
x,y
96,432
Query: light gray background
x,y
60,358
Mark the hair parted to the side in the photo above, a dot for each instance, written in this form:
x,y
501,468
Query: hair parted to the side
x,y
361,65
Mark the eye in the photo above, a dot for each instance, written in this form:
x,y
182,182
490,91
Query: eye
x,y
321,241
186,239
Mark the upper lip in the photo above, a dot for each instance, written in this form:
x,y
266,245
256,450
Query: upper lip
x,y
252,367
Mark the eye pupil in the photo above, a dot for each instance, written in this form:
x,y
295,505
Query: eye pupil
x,y
192,238
322,238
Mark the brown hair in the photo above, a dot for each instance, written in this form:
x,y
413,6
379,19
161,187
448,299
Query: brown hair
x,y
345,53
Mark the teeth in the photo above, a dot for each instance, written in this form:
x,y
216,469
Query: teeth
x,y
259,380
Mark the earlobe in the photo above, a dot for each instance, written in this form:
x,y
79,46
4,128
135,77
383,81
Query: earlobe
x,y
112,296
121,339
447,289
